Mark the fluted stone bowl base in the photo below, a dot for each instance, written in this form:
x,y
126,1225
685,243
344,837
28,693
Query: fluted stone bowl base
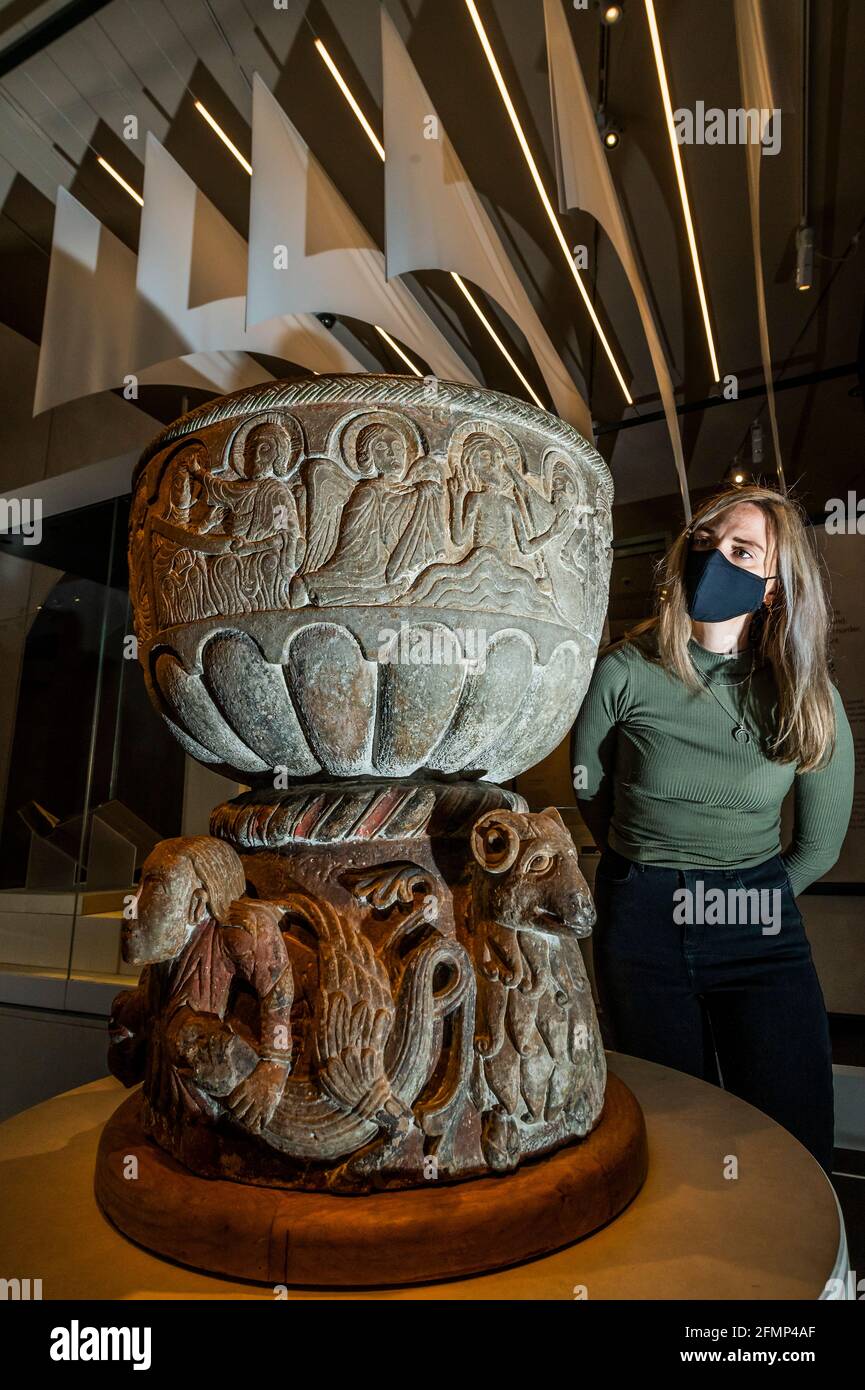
x,y
274,1236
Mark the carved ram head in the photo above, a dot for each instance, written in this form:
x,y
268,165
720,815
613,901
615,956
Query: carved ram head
x,y
530,877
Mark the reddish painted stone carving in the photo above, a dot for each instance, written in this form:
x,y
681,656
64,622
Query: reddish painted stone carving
x,y
374,600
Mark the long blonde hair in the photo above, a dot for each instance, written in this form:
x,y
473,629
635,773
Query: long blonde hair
x,y
791,634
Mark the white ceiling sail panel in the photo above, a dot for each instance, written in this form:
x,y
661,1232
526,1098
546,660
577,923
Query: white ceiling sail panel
x,y
435,219
65,104
308,251
220,372
585,182
87,327
164,322
188,253
85,330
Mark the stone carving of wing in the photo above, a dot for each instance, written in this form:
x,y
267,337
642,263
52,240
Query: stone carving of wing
x,y
385,884
356,1018
328,489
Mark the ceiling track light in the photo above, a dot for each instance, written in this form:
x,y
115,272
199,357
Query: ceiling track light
x,y
756,442
804,258
610,132
118,178
542,192
217,129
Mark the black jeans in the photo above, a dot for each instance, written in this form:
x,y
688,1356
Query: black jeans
x,y
721,986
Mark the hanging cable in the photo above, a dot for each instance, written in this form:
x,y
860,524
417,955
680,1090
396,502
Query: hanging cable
x,y
217,23
26,119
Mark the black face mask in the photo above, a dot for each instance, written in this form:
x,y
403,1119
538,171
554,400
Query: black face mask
x,y
717,590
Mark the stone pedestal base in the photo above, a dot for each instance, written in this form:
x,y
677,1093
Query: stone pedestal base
x,y
380,986
440,1232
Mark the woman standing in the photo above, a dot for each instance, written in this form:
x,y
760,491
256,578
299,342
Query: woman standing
x,y
695,727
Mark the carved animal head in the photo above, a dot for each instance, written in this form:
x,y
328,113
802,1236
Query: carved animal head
x,y
183,882
530,877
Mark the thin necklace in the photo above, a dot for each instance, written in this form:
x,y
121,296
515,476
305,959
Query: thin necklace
x,y
730,656
740,733
724,684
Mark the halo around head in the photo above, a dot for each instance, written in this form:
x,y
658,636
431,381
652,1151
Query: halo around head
x,y
556,462
488,428
289,436
343,440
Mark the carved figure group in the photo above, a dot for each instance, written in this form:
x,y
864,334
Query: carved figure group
x,y
373,519
370,1023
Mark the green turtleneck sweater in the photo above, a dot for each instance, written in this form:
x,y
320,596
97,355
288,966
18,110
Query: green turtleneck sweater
x,y
666,781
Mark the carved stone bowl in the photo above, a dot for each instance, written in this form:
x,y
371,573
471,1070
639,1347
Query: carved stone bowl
x,y
368,575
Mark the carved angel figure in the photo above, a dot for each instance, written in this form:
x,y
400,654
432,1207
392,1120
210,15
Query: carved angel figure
x,y
372,523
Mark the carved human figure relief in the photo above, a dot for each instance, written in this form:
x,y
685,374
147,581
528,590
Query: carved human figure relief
x,y
257,499
181,488
495,535
196,935
567,560
230,539
484,510
374,546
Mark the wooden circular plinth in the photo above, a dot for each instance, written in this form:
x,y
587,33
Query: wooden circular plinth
x,y
436,1232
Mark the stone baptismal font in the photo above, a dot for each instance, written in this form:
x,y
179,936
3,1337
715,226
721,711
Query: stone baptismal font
x,y
366,1037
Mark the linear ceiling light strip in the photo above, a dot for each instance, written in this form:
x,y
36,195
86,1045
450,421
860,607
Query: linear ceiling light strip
x,y
542,193
199,106
217,129
349,96
392,343
380,151
680,179
495,337
100,159
109,169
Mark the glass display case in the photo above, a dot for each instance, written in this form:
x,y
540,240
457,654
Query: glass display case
x,y
79,814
